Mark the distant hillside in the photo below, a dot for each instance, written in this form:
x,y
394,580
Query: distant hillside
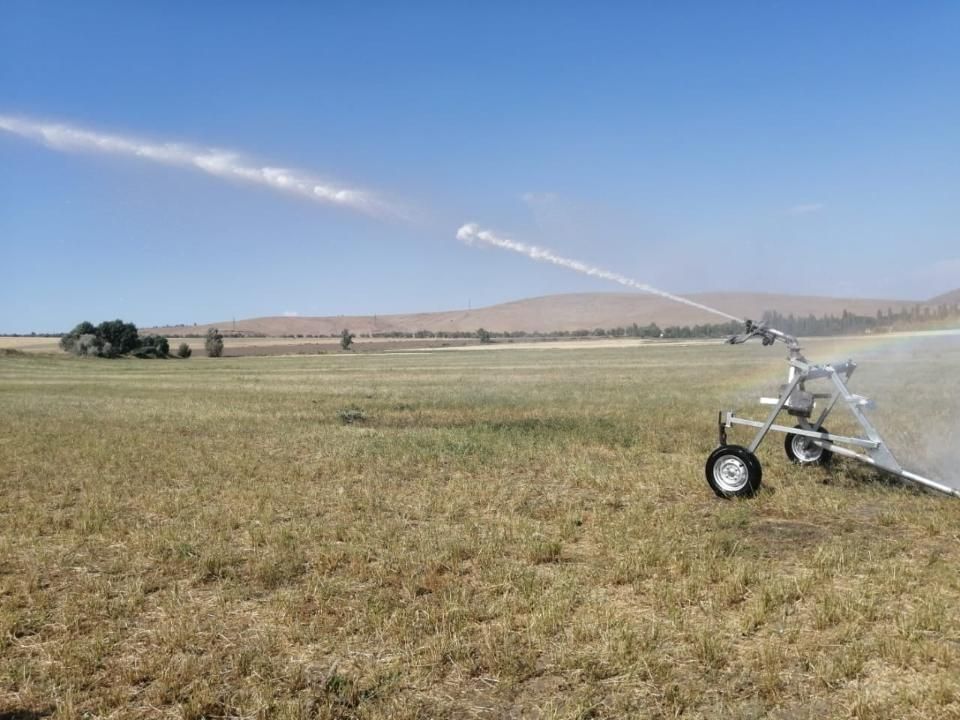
x,y
555,312
948,298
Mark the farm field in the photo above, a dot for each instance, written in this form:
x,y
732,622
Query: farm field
x,y
519,534
259,346
243,346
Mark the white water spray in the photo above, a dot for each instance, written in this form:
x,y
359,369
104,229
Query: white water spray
x,y
219,163
472,233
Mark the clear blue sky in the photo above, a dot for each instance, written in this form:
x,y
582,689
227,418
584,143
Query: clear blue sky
x,y
790,147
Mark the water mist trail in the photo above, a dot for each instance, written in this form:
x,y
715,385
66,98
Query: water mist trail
x,y
223,164
472,233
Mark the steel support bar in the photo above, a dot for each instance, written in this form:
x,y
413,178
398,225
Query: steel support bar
x,y
829,407
880,453
927,482
904,474
765,426
827,437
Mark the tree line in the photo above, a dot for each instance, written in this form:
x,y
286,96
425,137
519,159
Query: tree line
x,y
846,323
849,323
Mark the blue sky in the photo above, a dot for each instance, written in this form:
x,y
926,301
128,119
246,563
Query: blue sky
x,y
785,147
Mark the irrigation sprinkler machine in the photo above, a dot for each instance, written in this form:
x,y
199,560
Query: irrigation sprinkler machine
x,y
734,471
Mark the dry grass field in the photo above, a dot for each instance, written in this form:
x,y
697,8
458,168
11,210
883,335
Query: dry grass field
x,y
30,344
243,346
512,534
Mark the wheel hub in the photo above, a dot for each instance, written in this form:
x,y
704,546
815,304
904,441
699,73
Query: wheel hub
x,y
730,473
805,449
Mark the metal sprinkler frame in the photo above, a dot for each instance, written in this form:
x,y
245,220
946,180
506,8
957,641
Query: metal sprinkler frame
x,y
734,471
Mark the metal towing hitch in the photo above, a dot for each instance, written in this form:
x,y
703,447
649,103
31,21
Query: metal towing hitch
x,y
734,471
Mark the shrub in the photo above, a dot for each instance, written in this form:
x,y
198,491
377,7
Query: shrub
x,y
88,344
184,351
153,346
214,343
68,342
484,335
346,339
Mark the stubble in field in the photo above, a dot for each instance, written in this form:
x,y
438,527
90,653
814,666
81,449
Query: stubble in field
x,y
507,534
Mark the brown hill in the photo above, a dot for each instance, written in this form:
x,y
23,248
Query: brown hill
x,y
948,298
554,312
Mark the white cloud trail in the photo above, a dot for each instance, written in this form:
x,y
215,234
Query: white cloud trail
x,y
219,163
471,234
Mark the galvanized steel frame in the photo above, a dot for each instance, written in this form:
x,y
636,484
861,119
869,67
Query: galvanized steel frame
x,y
877,453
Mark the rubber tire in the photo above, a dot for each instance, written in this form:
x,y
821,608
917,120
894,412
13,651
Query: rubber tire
x,y
825,457
754,471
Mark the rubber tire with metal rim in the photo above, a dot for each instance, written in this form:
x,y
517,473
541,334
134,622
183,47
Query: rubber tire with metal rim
x,y
733,471
801,453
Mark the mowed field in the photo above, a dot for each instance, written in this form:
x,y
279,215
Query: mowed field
x,y
511,534
243,346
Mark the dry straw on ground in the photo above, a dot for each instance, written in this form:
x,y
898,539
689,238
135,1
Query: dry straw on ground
x,y
508,534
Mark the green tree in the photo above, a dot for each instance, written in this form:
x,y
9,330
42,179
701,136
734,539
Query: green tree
x,y
123,337
69,341
484,335
184,351
153,346
90,344
214,343
346,339
109,339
